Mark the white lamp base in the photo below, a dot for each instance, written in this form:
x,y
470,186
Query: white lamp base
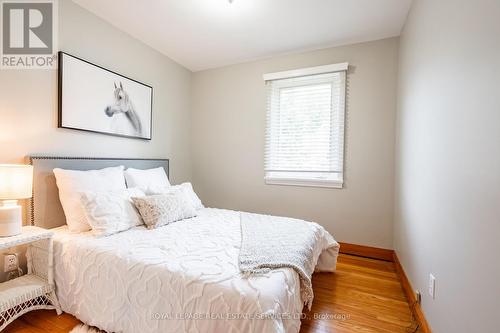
x,y
10,218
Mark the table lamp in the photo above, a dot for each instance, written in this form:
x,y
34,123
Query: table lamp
x,y
15,183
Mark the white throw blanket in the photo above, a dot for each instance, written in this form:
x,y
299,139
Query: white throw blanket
x,y
270,242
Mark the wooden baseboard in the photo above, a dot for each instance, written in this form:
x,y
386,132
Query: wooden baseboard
x,y
367,251
410,295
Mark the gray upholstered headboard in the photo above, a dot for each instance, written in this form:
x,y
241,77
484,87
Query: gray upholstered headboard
x,y
45,209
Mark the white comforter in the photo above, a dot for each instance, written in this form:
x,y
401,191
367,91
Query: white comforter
x,y
170,279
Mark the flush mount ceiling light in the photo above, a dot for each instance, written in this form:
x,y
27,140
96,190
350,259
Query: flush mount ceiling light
x,y
230,1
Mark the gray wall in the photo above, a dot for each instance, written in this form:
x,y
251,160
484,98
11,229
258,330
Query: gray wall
x,y
228,126
448,161
28,98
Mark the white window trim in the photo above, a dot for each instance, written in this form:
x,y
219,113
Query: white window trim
x,y
306,71
323,183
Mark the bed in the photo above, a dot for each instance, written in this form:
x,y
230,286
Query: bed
x,y
183,277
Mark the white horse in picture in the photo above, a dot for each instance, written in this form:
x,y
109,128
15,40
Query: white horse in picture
x,y
125,120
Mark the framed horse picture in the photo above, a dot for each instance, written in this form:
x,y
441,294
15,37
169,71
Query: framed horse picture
x,y
95,99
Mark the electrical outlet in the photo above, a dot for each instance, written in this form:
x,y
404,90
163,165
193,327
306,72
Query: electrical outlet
x,y
10,263
432,286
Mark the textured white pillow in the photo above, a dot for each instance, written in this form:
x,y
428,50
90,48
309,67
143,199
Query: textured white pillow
x,y
72,182
143,179
111,212
159,210
185,187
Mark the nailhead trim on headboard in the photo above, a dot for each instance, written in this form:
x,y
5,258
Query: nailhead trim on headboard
x,y
31,158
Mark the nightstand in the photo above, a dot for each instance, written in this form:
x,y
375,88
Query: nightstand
x,y
34,290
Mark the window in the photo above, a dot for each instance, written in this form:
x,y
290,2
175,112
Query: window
x,y
305,126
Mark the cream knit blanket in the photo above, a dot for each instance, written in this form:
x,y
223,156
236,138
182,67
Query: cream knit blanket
x,y
269,242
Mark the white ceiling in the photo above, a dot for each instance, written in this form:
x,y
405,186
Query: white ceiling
x,y
202,34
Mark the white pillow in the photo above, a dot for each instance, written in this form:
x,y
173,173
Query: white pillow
x,y
111,212
72,182
185,187
163,209
145,178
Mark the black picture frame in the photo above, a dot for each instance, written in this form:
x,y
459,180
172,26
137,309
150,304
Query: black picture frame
x,y
61,55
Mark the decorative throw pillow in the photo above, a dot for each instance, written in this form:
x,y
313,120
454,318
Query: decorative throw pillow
x,y
143,179
187,188
162,209
111,212
73,182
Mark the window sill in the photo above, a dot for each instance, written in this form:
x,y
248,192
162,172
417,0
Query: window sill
x,y
305,182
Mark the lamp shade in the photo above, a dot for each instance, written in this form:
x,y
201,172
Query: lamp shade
x,y
16,181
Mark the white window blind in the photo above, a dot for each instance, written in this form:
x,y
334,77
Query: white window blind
x,y
305,128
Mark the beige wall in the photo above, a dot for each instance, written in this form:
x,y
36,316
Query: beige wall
x,y
28,99
228,124
448,181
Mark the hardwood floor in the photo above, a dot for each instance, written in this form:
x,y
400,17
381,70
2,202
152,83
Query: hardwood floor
x,y
363,296
43,321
